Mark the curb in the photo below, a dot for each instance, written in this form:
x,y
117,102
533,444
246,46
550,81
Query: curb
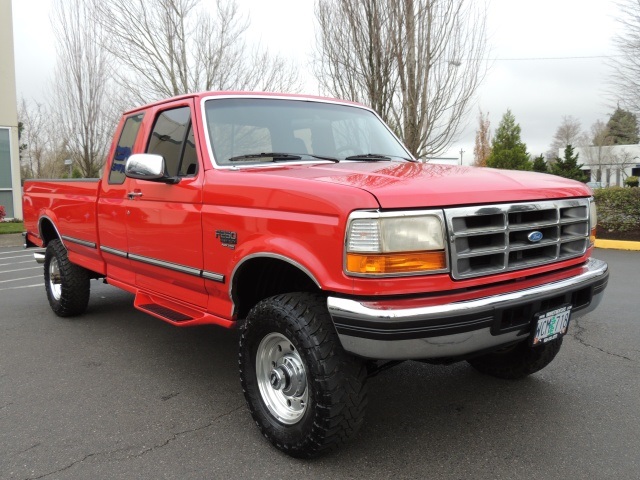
x,y
11,240
617,244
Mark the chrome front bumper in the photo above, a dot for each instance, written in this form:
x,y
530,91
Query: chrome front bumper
x,y
382,330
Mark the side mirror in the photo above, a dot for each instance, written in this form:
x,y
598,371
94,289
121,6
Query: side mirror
x,y
148,166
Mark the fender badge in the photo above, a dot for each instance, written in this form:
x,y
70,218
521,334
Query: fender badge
x,y
227,239
535,236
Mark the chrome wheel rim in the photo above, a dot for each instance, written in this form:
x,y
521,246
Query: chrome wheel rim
x,y
282,379
54,279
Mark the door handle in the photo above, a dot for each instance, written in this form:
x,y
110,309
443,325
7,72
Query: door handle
x,y
133,195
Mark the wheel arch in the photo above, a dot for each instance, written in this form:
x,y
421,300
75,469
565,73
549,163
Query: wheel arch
x,y
262,275
48,230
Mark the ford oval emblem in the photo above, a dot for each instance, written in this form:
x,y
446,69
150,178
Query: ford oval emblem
x,y
535,236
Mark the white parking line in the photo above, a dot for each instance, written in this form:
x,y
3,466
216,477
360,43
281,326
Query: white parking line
x,y
13,251
17,256
14,263
21,270
26,286
18,279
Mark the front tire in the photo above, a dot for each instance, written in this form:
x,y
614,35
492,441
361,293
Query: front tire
x,y
517,361
67,284
305,393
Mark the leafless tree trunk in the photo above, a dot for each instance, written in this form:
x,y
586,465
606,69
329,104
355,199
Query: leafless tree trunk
x,y
625,81
175,47
482,146
84,107
418,63
355,56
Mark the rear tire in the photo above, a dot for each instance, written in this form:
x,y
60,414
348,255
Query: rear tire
x,y
517,361
67,284
305,393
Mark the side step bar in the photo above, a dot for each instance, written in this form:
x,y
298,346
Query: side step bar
x,y
176,313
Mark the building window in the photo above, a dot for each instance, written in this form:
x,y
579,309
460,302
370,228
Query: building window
x,y
6,188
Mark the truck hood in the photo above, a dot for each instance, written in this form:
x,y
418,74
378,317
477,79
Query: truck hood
x,y
402,184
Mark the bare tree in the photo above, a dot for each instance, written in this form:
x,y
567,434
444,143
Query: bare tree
x,y
84,108
43,149
355,56
482,146
625,81
596,151
175,47
418,63
569,132
621,162
35,136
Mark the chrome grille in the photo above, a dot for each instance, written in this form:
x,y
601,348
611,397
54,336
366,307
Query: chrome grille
x,y
496,238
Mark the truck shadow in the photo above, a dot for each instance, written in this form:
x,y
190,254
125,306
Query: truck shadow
x,y
433,415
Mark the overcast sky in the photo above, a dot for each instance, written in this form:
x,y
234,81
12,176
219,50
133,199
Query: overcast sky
x,y
535,44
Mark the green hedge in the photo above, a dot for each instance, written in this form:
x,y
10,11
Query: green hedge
x,y
618,208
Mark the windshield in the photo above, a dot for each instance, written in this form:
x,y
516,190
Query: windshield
x,y
246,131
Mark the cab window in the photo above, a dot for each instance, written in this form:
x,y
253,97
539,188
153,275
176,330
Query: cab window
x,y
172,137
124,148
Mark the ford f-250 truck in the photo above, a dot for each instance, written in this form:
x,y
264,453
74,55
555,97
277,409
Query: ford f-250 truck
x,y
306,223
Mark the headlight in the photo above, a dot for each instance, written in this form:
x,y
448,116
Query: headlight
x,y
593,220
395,244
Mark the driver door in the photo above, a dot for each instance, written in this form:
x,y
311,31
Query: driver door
x,y
164,220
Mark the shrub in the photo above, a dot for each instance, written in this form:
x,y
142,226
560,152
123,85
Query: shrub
x,y
631,182
3,213
618,208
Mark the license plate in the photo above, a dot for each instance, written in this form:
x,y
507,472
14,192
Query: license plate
x,y
550,325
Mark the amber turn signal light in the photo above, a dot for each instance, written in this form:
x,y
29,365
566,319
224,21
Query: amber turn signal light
x,y
395,263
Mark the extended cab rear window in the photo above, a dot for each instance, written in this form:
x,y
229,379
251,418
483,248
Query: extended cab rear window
x,y
124,148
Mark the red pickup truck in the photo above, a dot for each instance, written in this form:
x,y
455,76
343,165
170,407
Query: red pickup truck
x,y
306,223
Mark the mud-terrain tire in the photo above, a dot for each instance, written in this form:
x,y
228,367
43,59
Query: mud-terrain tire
x,y
67,284
517,361
305,393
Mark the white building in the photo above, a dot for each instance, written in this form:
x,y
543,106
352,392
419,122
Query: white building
x,y
609,165
10,191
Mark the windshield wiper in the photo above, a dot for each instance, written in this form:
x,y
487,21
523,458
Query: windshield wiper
x,y
369,156
377,157
275,156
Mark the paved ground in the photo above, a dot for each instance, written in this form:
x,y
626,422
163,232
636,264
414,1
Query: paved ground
x,y
116,394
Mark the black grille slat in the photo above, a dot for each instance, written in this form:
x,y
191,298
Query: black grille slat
x,y
492,239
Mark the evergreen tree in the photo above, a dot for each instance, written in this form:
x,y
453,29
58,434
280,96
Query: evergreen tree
x,y
568,166
540,165
623,128
507,149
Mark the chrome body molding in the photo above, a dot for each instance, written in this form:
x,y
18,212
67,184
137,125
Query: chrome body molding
x,y
84,243
196,272
171,266
382,330
216,277
113,251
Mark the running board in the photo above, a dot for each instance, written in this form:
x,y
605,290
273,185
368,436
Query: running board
x,y
176,313
164,312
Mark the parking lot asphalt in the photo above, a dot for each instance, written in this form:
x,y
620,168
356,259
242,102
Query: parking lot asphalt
x,y
117,394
